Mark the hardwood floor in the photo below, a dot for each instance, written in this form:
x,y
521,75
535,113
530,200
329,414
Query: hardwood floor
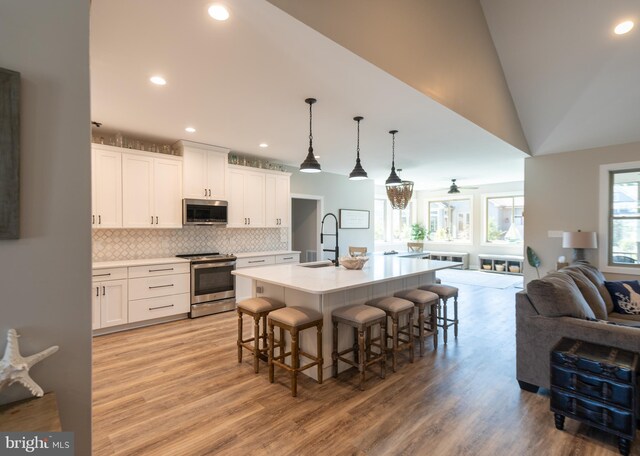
x,y
177,389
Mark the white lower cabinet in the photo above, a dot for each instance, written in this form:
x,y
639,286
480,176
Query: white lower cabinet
x,y
243,285
109,303
147,309
130,295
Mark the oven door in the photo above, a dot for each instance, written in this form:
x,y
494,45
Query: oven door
x,y
212,281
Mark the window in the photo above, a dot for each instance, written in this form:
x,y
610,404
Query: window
x,y
504,219
624,218
449,220
392,225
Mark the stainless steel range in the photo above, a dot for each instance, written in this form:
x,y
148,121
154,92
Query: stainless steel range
x,y
212,284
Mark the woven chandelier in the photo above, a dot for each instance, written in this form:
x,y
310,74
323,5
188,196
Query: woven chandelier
x,y
399,192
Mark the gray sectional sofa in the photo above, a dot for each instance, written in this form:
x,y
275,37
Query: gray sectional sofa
x,y
572,302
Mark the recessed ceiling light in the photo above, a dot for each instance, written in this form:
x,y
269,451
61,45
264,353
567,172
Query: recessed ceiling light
x,y
190,130
219,12
158,80
263,145
623,27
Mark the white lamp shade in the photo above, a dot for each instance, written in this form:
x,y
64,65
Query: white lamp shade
x,y
579,240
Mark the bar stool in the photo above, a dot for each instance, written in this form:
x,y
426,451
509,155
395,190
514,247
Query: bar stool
x,y
445,292
422,299
361,318
395,308
258,308
294,319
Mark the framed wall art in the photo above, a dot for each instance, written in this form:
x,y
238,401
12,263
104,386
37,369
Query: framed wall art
x,y
354,219
9,154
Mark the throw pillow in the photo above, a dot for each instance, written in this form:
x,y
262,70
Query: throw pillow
x,y
557,295
595,276
589,292
625,296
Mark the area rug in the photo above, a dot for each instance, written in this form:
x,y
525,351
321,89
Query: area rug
x,y
480,279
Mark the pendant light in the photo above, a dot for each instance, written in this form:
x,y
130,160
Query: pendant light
x,y
393,178
358,172
310,164
399,192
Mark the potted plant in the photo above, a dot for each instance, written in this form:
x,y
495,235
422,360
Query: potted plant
x,y
418,233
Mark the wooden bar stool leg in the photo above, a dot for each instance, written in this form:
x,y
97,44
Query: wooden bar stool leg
x,y
355,346
265,338
271,347
394,359
295,362
455,316
239,336
367,343
383,358
334,353
445,322
420,330
319,352
434,324
282,346
362,363
256,342
411,337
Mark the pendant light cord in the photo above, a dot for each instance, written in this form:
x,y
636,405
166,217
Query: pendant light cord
x,y
310,123
393,150
358,143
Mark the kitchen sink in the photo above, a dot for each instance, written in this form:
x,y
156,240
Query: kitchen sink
x,y
317,264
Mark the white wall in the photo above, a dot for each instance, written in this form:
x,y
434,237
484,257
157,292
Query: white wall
x,y
339,193
561,194
304,226
45,275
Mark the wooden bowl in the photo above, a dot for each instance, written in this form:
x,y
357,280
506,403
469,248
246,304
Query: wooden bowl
x,y
350,262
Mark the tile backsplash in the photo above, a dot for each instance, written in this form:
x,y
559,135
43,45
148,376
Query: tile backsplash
x,y
131,244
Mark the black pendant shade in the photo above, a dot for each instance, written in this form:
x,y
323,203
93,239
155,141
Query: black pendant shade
x,y
310,164
393,178
358,172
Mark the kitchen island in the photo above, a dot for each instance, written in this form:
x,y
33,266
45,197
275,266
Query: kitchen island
x,y
324,287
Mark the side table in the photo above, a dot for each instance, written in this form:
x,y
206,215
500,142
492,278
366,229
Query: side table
x,y
596,385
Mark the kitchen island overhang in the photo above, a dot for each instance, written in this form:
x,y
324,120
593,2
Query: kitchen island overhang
x,y
327,288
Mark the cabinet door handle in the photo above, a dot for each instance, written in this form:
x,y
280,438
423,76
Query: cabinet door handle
x,y
152,219
101,275
161,286
249,220
209,192
160,307
158,270
288,258
97,291
205,192
256,261
99,220
156,219
93,219
104,290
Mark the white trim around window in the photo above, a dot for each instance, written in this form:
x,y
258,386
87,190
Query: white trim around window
x,y
483,216
447,197
603,213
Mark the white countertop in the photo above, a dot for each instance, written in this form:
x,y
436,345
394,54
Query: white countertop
x,y
330,279
142,262
268,253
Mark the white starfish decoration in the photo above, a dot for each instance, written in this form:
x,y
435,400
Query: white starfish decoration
x,y
14,368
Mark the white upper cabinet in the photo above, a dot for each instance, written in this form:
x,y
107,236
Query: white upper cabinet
x,y
205,171
167,181
106,188
257,198
246,198
151,190
277,200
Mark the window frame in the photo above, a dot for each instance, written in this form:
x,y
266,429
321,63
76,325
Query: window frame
x,y
606,220
485,218
458,197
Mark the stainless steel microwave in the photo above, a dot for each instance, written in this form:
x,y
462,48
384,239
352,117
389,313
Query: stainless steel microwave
x,y
204,212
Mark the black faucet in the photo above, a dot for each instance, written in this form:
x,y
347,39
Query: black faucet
x,y
322,235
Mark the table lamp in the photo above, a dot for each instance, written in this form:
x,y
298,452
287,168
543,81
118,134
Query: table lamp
x,y
578,241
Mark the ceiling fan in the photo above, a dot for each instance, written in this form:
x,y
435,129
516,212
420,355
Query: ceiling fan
x,y
454,188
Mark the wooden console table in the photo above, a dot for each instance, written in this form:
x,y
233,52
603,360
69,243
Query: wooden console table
x,y
36,414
